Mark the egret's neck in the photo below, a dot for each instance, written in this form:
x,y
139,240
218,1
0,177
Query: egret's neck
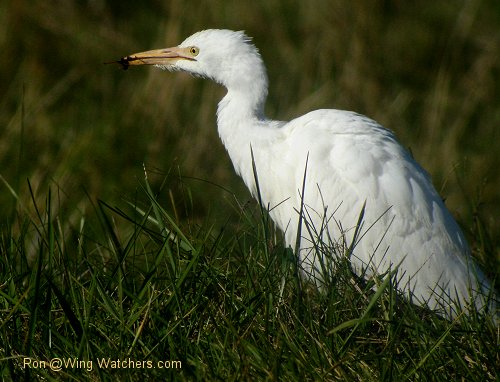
x,y
241,124
241,109
245,79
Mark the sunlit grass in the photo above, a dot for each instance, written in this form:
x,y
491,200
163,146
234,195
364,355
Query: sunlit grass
x,y
138,285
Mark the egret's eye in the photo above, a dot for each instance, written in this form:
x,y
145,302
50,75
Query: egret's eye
x,y
194,50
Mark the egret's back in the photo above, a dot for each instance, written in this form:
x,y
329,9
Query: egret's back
x,y
354,164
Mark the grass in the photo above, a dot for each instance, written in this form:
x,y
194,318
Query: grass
x,y
98,261
139,286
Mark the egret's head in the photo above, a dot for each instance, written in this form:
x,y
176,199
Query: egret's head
x,y
226,56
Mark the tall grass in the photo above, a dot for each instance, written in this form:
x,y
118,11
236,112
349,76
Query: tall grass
x,y
98,262
140,286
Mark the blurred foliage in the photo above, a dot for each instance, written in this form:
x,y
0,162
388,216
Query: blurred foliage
x,y
428,70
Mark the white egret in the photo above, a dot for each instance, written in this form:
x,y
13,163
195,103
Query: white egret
x,y
353,165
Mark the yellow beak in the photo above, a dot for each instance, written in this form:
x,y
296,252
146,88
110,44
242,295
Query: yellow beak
x,y
168,56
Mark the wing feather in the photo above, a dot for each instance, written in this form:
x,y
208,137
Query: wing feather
x,y
354,161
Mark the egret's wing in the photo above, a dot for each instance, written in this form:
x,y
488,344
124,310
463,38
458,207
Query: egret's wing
x,y
352,161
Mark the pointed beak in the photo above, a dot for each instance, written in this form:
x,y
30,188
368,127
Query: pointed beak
x,y
164,57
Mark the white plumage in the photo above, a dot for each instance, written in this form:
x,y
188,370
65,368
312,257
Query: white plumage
x,y
352,162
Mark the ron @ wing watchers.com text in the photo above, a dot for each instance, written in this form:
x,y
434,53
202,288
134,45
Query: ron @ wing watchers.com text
x,y
59,364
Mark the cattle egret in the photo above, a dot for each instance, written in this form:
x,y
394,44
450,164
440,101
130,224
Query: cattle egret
x,y
333,178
